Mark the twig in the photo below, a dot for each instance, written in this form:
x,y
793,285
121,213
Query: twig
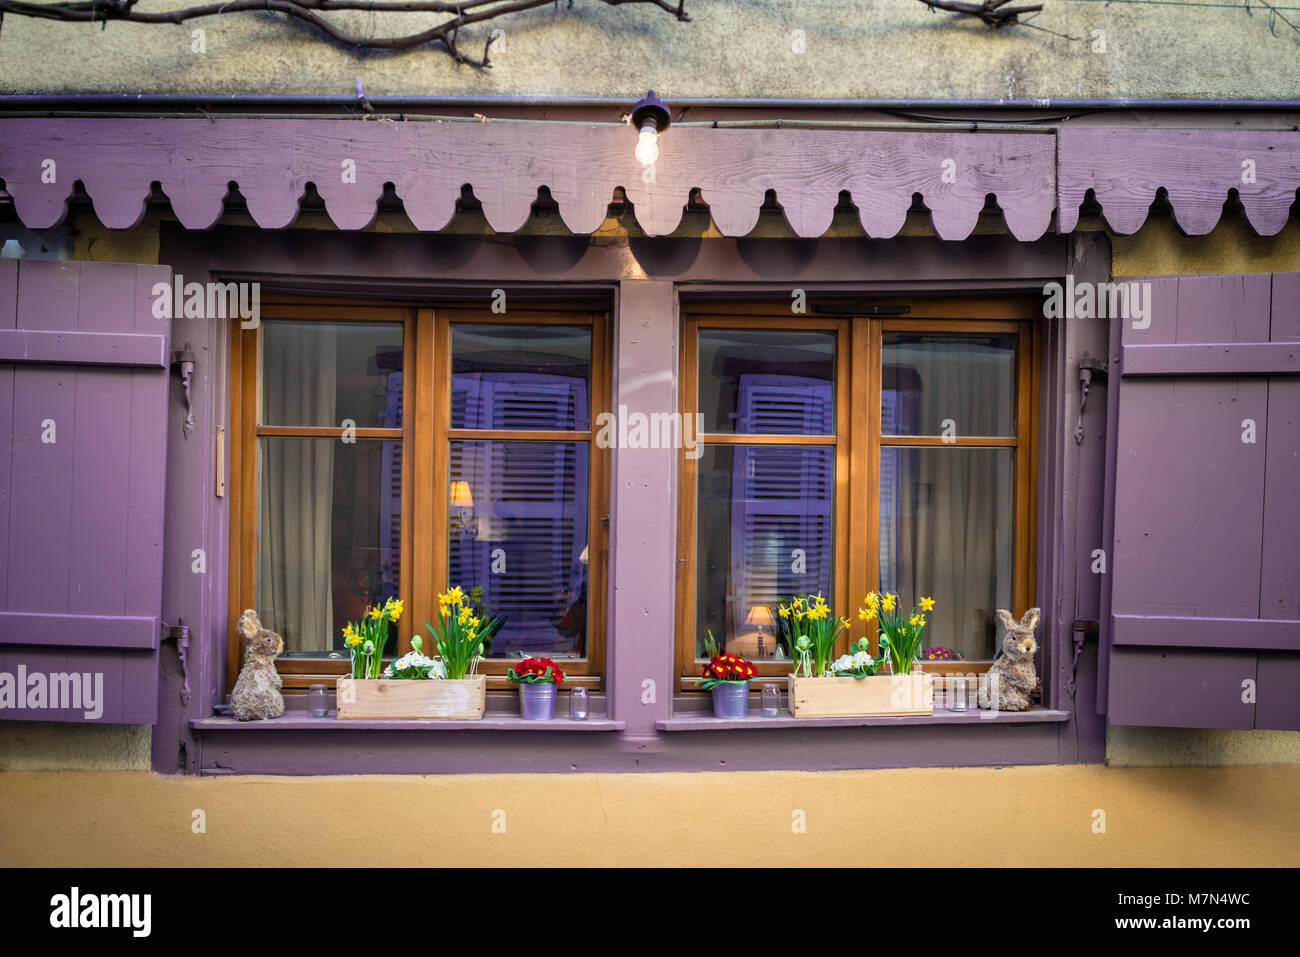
x,y
309,11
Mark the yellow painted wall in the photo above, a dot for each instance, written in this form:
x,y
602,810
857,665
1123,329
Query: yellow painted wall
x,y
964,818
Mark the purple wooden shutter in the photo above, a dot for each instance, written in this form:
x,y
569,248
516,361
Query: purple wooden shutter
x,y
84,362
1204,622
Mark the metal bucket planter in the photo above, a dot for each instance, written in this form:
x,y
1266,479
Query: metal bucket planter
x,y
537,701
731,699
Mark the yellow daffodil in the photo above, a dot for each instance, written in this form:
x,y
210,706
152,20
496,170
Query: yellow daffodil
x,y
873,600
887,603
456,596
927,604
375,613
916,621
464,616
783,612
394,609
863,615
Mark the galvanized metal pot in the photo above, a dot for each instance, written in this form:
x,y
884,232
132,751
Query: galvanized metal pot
x,y
731,699
537,701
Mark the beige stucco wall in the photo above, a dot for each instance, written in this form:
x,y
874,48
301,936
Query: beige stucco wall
x,y
853,49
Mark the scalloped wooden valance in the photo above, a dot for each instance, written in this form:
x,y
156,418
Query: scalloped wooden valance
x,y
272,161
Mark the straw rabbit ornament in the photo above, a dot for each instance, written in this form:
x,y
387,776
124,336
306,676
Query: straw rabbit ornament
x,y
257,692
1012,679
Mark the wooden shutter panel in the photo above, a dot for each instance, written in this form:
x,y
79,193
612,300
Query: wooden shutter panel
x,y
81,517
1204,622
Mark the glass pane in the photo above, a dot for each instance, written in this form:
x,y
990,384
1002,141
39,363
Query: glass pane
x,y
328,536
764,532
520,377
320,373
930,378
945,533
518,531
767,382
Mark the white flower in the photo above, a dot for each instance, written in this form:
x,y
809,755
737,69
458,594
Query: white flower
x,y
842,663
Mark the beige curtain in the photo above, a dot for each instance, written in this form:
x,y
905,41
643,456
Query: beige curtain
x,y
296,489
954,506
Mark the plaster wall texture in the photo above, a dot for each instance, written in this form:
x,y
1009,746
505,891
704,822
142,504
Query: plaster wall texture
x,y
737,48
1032,816
1158,249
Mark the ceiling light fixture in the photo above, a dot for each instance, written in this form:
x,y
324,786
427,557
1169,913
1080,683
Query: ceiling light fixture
x,y
651,118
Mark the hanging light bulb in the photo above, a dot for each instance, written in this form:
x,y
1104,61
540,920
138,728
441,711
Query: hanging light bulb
x,y
651,118
647,142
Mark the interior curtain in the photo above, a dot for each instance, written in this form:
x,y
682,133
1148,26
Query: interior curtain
x,y
955,508
296,489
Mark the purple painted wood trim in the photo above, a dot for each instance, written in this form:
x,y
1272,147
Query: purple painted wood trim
x,y
1125,166
756,722
83,348
273,160
489,722
1279,585
974,744
1181,688
1184,632
643,533
1250,358
81,631
1277,703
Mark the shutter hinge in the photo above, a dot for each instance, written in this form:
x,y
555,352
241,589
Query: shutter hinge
x,y
181,632
1080,629
1089,369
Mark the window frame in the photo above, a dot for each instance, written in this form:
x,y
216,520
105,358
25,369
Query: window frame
x,y
858,441
426,405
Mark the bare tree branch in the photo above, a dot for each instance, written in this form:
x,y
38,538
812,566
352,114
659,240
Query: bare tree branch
x,y
991,12
309,11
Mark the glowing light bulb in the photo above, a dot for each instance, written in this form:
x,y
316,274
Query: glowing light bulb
x,y
647,142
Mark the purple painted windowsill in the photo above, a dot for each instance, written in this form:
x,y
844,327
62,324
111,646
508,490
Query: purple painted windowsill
x,y
754,721
299,721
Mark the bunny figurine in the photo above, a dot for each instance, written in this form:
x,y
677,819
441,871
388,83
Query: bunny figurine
x,y
257,692
1012,678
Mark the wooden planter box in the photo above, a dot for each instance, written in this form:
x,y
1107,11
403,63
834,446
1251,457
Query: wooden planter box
x,y
378,698
860,697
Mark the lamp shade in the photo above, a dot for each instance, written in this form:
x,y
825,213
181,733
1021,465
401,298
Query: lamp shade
x,y
759,615
461,497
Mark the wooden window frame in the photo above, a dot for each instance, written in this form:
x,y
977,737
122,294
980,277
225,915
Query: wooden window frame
x,y
858,442
425,434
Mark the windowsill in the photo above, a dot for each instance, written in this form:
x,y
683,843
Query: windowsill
x,y
299,721
754,721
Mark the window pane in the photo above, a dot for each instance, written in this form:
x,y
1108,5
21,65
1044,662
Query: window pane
x,y
320,373
945,533
328,536
764,530
518,530
766,382
520,377
932,377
